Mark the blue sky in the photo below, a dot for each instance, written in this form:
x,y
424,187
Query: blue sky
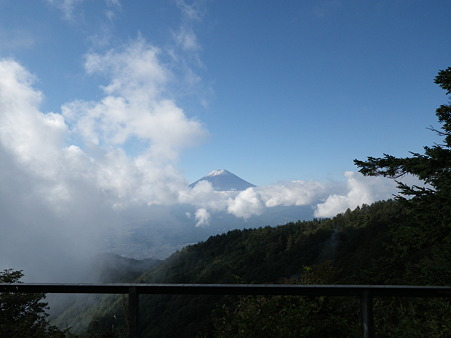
x,y
293,90
303,88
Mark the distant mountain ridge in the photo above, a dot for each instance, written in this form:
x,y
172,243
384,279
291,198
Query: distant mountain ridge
x,y
224,180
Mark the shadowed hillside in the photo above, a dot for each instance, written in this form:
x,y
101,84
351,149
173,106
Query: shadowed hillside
x,y
357,247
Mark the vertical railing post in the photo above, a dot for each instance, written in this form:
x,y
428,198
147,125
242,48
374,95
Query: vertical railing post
x,y
133,312
366,314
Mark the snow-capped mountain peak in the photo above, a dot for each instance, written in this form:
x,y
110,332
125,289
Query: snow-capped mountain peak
x,y
218,172
224,180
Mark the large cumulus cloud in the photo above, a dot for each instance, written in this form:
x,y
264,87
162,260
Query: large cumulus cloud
x,y
65,175
360,190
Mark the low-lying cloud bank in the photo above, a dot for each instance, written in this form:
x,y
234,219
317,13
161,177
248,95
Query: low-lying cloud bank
x,y
327,199
67,179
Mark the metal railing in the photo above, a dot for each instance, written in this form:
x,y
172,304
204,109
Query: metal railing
x,y
365,293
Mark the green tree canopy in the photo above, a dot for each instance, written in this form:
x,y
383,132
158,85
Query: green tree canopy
x,y
433,167
24,314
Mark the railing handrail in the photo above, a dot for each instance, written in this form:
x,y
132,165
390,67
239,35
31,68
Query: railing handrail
x,y
232,289
364,292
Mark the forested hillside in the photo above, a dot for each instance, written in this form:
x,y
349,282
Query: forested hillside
x,y
370,245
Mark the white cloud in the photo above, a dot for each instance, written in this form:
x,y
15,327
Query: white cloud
x,y
292,193
49,207
136,67
33,137
204,196
361,190
133,111
246,204
66,6
134,105
190,13
112,6
254,201
337,196
202,217
58,198
186,38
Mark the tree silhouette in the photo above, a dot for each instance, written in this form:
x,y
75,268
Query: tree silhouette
x,y
433,167
24,314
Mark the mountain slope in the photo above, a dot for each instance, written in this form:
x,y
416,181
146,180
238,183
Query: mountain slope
x,y
371,245
223,180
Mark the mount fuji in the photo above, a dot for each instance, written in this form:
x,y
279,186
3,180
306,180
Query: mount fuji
x,y
160,230
223,180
